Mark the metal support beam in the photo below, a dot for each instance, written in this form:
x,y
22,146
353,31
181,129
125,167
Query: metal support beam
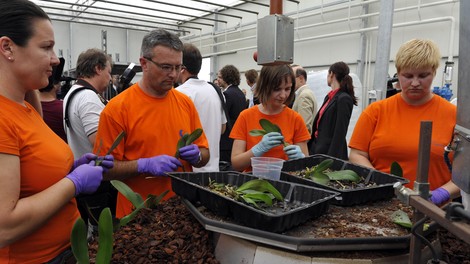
x,y
192,8
383,47
421,186
226,6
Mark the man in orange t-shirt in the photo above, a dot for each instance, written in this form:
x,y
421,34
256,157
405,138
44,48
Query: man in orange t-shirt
x,y
153,115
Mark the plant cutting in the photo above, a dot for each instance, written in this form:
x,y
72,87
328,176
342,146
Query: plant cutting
x,y
268,127
251,192
322,173
187,139
106,226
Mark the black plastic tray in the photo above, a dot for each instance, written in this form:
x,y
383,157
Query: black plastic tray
x,y
311,202
383,190
296,243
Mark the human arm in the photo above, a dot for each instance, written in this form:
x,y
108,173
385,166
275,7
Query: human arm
x,y
444,193
32,97
23,215
360,157
153,166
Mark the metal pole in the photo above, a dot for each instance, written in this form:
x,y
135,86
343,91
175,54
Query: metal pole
x,y
383,47
275,7
421,185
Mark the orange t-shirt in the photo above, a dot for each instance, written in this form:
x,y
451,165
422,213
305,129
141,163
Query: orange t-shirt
x,y
152,127
290,122
44,160
389,131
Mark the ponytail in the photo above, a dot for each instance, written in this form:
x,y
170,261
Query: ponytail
x,y
341,71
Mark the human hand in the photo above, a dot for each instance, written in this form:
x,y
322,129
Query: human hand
x,y
107,162
439,196
269,141
293,152
158,165
85,159
86,178
190,153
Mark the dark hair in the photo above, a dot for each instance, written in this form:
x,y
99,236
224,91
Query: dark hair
x,y
159,37
251,75
270,78
192,59
16,17
301,71
341,71
88,60
230,75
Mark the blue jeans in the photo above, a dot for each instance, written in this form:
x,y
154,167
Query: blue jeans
x,y
66,257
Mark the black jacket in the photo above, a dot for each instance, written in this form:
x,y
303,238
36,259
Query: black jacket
x,y
333,127
236,102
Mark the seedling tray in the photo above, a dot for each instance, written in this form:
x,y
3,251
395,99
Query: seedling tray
x,y
304,202
348,197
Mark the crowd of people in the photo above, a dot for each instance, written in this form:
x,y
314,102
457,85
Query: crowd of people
x,y
43,171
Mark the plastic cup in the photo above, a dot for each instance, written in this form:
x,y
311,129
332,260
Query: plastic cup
x,y
266,167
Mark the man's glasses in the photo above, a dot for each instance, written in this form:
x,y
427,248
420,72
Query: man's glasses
x,y
168,68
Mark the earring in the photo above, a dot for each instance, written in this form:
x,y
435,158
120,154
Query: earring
x,y
10,58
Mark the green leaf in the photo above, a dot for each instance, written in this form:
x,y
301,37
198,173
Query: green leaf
x,y
79,242
130,195
343,175
116,142
126,219
248,200
268,126
260,196
105,227
257,132
320,177
262,186
322,166
401,218
193,136
153,200
395,169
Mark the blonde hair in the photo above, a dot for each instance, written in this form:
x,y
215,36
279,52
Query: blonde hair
x,y
418,54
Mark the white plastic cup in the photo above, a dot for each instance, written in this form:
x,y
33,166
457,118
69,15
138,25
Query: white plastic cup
x,y
266,167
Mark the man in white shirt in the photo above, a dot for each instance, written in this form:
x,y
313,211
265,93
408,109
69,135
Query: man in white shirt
x,y
207,101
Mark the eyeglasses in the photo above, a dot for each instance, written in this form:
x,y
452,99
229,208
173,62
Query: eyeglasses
x,y
168,68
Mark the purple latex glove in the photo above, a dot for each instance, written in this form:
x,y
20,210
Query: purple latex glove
x,y
158,165
107,162
86,178
439,196
190,153
85,159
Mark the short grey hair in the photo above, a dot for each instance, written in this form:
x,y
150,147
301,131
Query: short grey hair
x,y
159,37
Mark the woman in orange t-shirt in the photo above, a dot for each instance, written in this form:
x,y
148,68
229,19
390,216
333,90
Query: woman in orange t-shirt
x,y
275,90
37,184
388,130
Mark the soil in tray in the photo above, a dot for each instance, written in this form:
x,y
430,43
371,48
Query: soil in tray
x,y
168,234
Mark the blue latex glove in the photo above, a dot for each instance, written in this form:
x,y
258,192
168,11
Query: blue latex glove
x,y
439,196
190,153
107,162
85,159
86,178
293,152
269,141
158,165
